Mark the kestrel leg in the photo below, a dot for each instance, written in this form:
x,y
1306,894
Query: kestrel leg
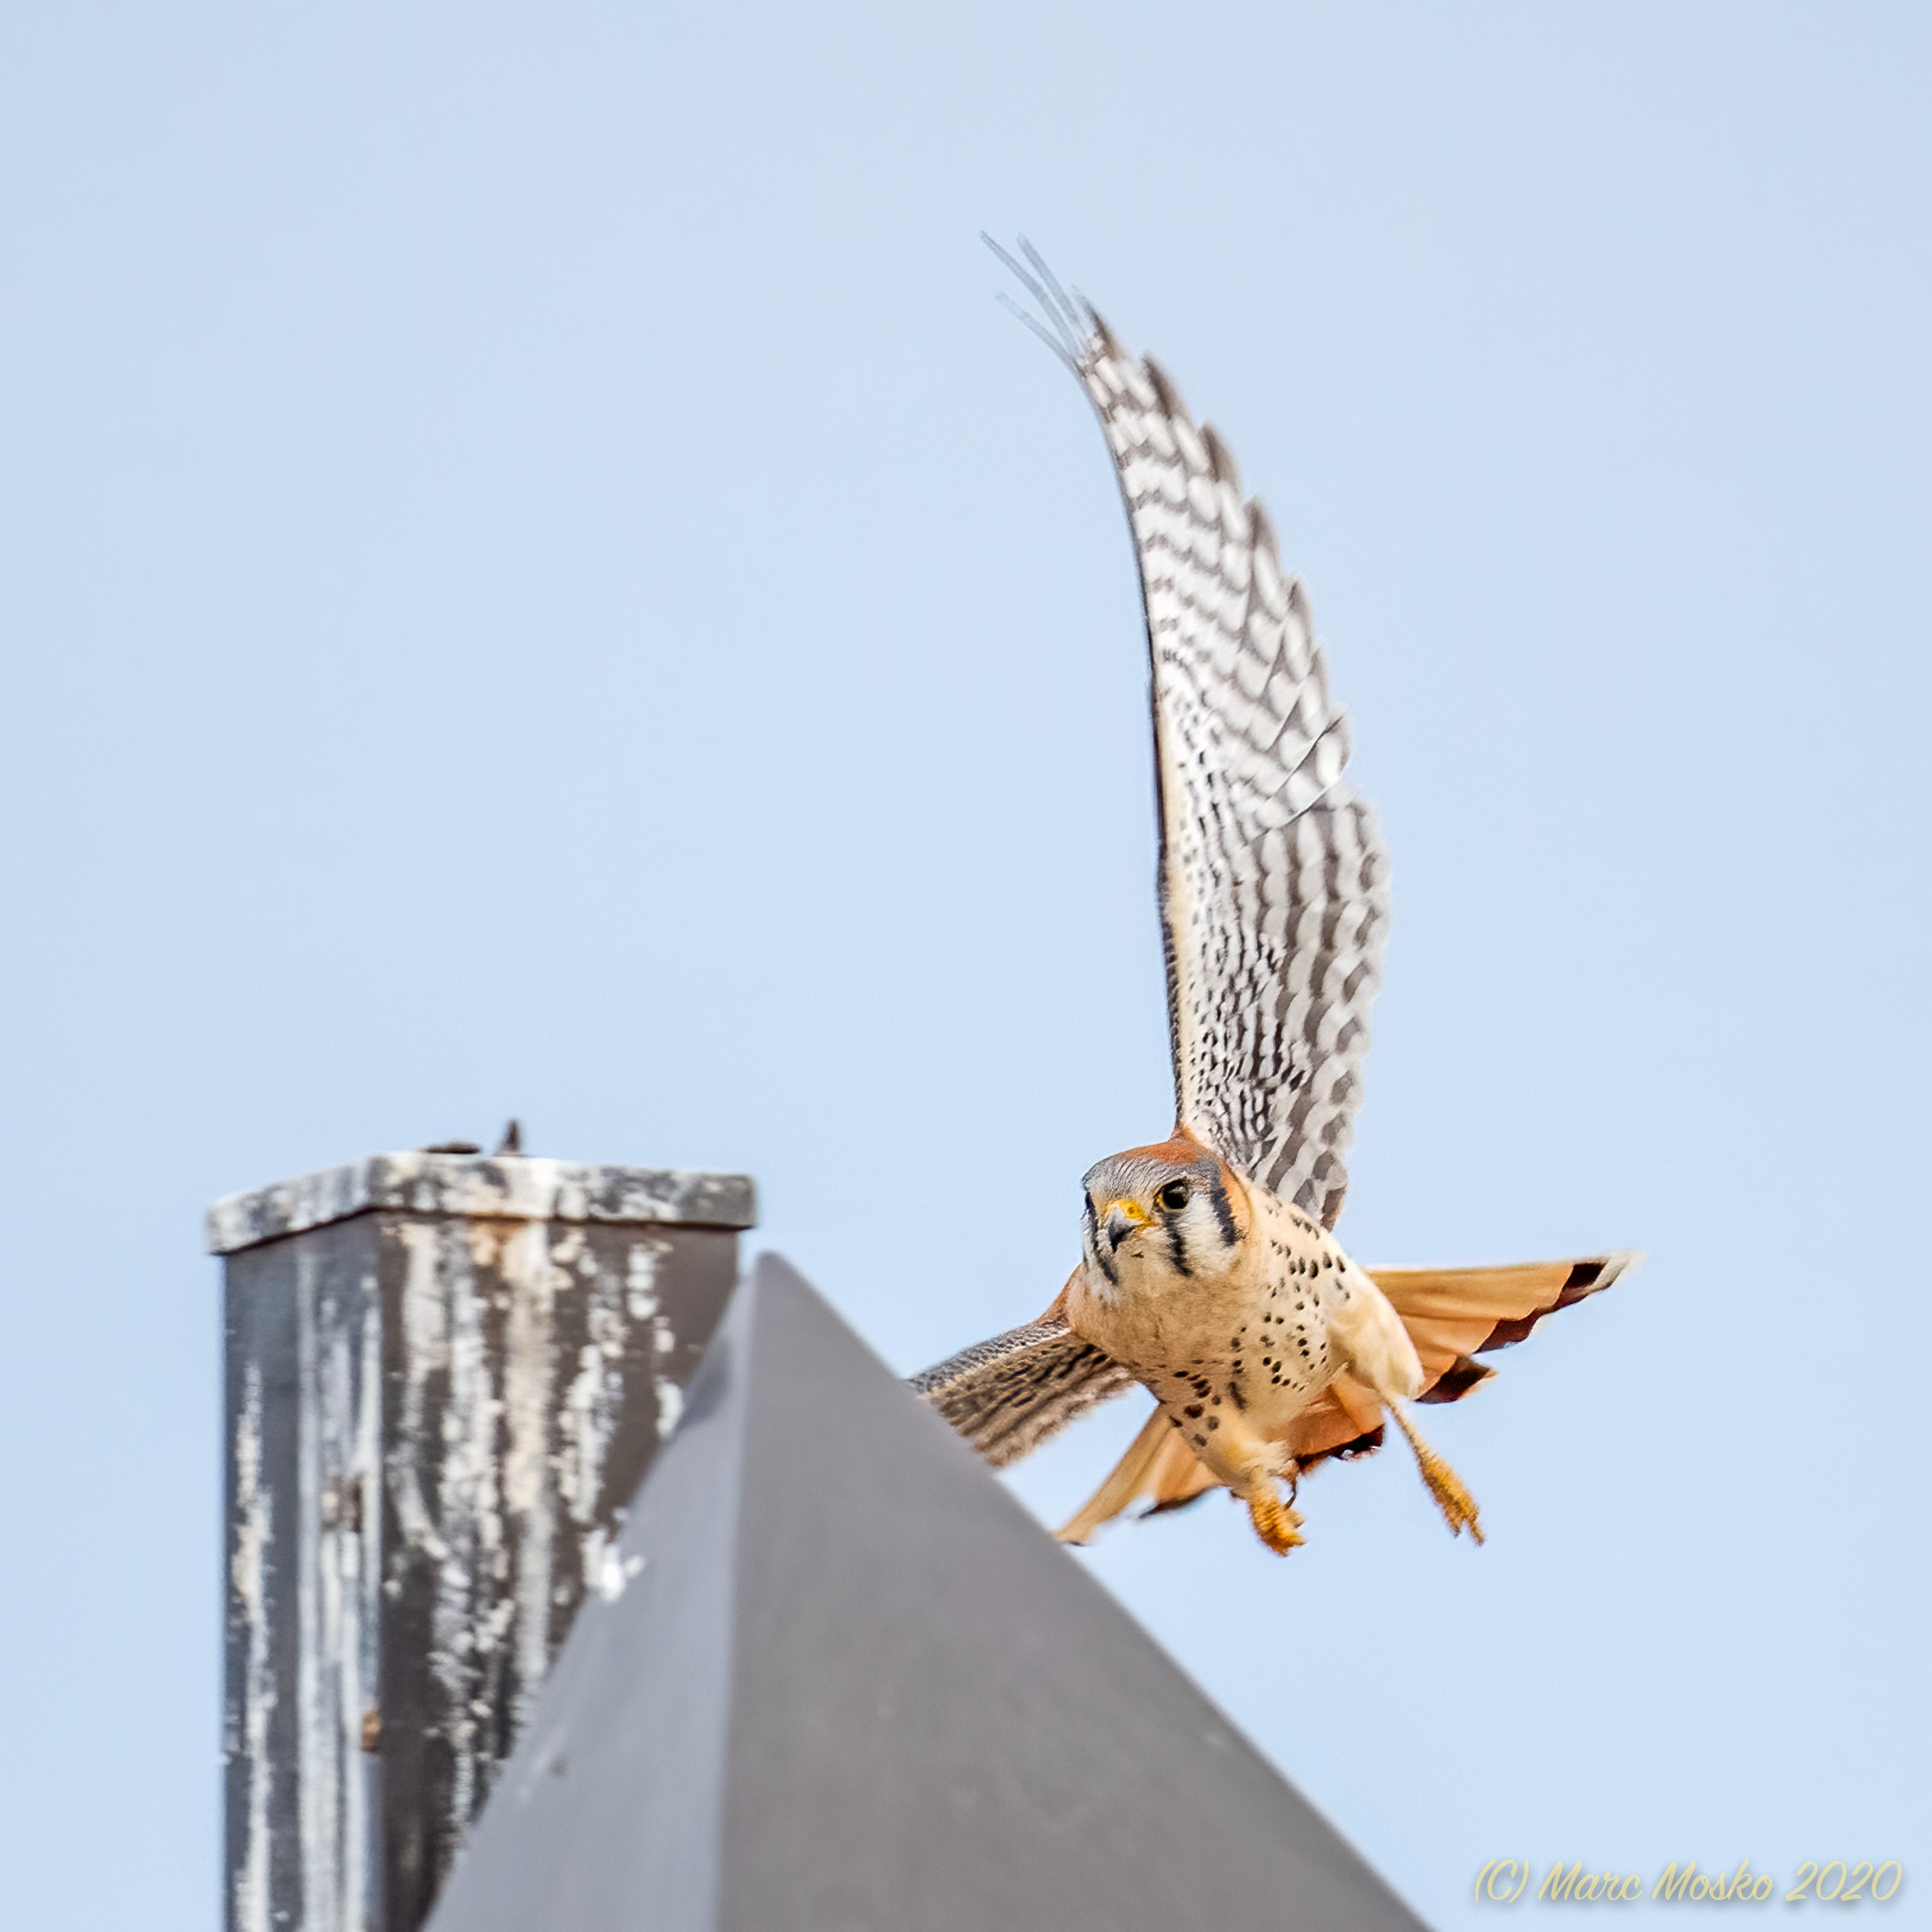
x,y
1260,1487
1275,1523
1457,1505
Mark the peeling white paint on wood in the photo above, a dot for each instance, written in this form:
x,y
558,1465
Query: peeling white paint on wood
x,y
532,1278
641,1299
254,1529
506,1188
337,1328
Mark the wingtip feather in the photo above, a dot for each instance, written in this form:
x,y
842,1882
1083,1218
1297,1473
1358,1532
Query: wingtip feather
x,y
1226,470
1166,391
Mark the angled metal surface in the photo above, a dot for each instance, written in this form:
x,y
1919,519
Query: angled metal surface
x,y
848,1683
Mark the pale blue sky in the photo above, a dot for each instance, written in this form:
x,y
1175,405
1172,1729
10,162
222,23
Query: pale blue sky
x,y
538,579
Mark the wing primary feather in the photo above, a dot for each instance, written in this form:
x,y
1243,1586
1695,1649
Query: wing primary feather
x,y
1226,470
1078,320
1042,292
1033,323
1166,391
1008,1395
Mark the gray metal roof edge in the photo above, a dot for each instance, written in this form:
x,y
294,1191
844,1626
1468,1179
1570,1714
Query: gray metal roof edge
x,y
514,1186
845,1679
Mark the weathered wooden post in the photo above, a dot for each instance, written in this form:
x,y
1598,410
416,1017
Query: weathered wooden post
x,y
445,1378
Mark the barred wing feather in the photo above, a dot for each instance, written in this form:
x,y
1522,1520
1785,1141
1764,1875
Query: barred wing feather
x,y
1008,1395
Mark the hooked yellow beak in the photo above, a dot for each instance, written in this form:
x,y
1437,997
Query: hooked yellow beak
x,y
1121,1218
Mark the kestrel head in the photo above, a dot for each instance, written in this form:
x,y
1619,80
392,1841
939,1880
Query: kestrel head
x,y
1176,1209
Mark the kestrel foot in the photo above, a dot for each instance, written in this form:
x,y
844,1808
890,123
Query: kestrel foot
x,y
1275,1523
1457,1505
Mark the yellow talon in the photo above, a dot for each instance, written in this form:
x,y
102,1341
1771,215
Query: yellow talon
x,y
1457,1505
1275,1523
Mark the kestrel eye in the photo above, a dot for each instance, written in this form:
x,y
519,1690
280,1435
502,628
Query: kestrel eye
x,y
1173,1195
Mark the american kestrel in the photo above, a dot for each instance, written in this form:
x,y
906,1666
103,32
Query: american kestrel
x,y
1208,1272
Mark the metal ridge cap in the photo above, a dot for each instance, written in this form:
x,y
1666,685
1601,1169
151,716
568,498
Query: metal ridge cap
x,y
510,1186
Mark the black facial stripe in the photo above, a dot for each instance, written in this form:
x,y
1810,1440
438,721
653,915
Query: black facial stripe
x,y
1178,1248
1224,1213
1099,1249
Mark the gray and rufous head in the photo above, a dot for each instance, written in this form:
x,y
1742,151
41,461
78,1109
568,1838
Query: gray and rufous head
x,y
1173,1209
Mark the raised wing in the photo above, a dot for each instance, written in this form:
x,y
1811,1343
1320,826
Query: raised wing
x,y
1008,1395
1273,880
